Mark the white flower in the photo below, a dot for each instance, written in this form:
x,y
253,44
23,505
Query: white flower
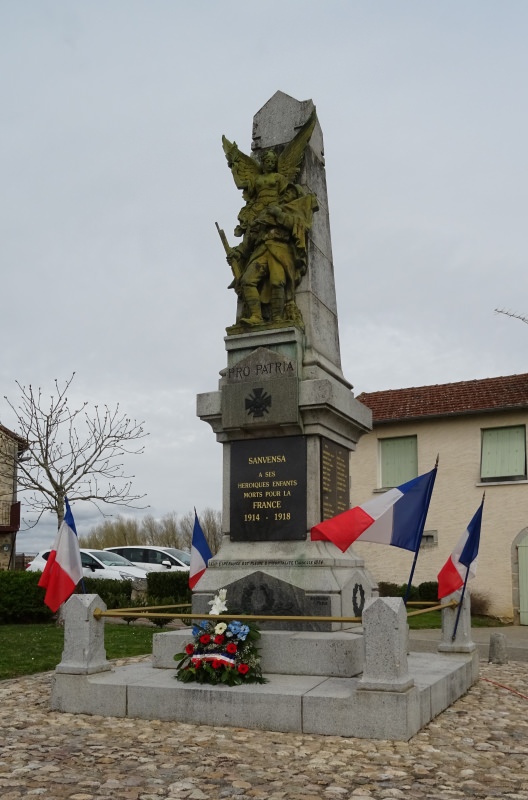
x,y
220,628
218,605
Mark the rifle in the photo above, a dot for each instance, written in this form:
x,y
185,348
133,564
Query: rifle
x,y
233,257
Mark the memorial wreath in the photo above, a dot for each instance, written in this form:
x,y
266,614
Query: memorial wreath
x,y
221,652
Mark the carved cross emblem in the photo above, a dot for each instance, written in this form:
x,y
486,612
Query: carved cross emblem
x,y
258,403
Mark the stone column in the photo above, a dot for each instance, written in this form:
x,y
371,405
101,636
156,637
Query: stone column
x,y
462,643
498,651
288,420
84,652
386,634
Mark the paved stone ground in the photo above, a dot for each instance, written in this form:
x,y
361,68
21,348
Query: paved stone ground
x,y
478,748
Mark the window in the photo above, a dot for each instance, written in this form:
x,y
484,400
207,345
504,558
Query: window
x,y
88,561
429,539
503,456
398,460
133,554
156,557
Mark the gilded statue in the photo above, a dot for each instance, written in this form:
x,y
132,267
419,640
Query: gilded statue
x,y
273,224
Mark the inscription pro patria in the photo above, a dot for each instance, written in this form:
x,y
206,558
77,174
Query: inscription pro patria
x,y
268,489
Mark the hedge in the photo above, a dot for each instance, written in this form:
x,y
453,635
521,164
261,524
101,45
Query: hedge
x,y
115,594
168,587
21,599
427,591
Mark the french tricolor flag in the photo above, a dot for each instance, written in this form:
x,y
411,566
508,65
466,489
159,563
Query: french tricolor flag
x,y
200,553
461,565
396,517
63,569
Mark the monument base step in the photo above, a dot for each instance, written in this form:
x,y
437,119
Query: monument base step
x,y
338,654
310,704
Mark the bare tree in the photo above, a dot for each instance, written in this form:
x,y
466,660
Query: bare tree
x,y
73,452
113,532
166,531
211,522
169,531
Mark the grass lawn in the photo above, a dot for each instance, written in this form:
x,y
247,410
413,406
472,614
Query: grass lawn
x,y
26,649
433,619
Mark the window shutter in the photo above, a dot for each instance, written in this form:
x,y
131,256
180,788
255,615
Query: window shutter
x,y
399,460
503,453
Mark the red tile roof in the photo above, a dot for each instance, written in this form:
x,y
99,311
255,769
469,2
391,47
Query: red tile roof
x,y
465,397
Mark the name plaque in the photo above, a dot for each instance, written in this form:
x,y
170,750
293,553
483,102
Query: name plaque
x,y
268,489
335,479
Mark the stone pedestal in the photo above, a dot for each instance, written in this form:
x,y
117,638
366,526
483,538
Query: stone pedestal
x,y
462,641
386,639
498,650
287,420
84,651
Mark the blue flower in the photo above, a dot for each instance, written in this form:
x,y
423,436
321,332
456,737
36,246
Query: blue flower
x,y
243,632
235,627
196,630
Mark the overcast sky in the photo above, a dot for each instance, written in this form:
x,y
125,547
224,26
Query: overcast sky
x,y
113,174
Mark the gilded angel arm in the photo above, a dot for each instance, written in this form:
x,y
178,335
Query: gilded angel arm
x,y
243,168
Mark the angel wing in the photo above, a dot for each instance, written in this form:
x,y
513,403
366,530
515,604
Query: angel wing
x,y
291,157
242,166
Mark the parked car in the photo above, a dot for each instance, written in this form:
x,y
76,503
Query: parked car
x,y
100,564
154,559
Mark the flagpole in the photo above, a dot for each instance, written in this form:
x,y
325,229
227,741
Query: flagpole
x,y
459,611
409,582
83,587
415,559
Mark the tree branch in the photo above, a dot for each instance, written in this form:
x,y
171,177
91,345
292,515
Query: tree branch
x,y
74,452
511,314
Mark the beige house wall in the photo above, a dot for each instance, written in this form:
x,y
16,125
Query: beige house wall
x,y
456,497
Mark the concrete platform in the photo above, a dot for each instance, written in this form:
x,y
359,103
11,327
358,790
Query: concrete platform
x,y
302,703
360,682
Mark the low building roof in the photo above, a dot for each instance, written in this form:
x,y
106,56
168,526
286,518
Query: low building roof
x,y
22,443
448,399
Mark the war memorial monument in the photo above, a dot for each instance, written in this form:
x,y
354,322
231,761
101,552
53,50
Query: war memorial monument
x,y
287,420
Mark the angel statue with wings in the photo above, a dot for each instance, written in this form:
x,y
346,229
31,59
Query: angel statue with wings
x,y
272,258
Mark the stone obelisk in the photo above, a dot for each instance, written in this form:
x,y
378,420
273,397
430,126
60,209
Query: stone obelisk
x,y
284,413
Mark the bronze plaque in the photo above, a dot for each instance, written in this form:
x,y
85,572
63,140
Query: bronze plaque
x,y
268,489
335,479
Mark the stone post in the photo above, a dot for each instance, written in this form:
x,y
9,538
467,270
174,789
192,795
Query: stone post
x,y
84,652
498,652
385,633
463,642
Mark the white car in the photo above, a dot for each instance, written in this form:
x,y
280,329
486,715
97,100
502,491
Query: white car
x,y
100,564
154,559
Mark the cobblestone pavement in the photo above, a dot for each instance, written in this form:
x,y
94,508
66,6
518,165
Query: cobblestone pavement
x,y
478,748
